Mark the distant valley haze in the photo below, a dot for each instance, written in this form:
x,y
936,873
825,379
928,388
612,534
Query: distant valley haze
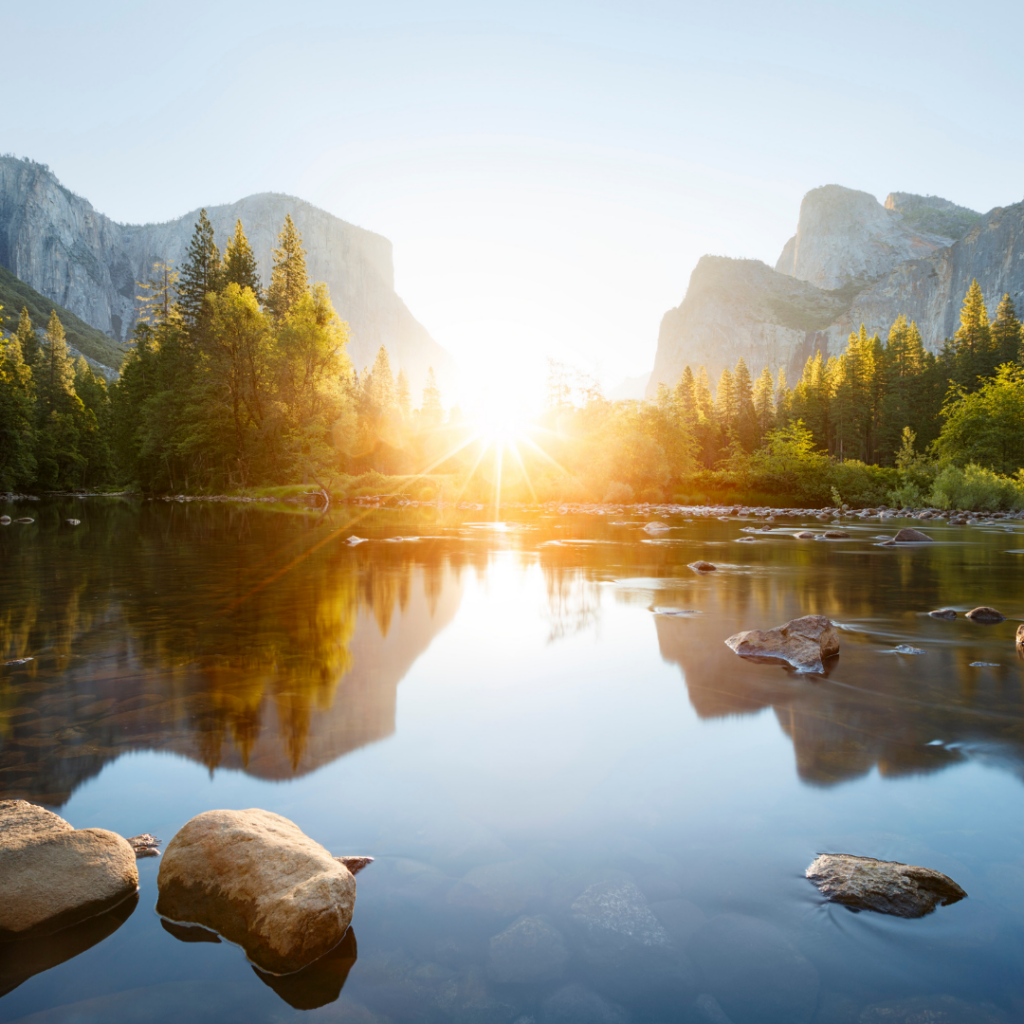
x,y
549,175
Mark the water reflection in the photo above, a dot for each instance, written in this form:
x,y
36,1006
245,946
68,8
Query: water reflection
x,y
21,959
152,631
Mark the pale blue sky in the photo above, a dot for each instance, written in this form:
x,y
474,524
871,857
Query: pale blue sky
x,y
549,173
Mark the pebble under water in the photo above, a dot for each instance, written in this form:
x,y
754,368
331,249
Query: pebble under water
x,y
584,807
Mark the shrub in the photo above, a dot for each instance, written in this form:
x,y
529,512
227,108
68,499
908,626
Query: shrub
x,y
974,487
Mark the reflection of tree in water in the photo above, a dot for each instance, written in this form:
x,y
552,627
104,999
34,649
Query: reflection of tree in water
x,y
183,649
574,600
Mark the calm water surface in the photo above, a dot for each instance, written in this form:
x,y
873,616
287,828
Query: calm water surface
x,y
536,718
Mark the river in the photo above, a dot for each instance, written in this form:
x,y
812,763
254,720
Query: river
x,y
584,808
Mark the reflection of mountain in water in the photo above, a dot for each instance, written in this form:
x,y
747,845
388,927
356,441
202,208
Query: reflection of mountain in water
x,y
182,651
864,713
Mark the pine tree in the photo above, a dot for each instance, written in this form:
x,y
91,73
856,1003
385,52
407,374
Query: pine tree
x,y
156,300
686,401
27,338
288,280
17,416
746,418
1006,332
402,394
432,411
972,343
379,384
54,371
764,403
200,273
783,398
240,263
725,400
59,410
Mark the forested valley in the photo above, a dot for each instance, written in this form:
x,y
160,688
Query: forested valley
x,y
231,386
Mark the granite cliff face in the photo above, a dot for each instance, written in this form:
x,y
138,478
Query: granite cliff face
x,y
852,261
58,244
845,236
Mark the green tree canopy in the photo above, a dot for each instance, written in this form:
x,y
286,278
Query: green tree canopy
x,y
986,427
240,263
288,280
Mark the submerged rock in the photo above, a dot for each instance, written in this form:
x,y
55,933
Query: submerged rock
x,y
527,952
575,1004
804,535
836,534
259,881
948,614
5,520
701,566
1020,641
985,615
804,643
54,875
908,535
656,527
754,972
73,522
625,947
887,887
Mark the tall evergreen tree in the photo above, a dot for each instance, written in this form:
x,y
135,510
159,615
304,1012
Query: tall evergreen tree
x,y
379,384
240,263
27,338
59,410
403,396
200,273
746,418
764,403
288,280
972,343
17,418
156,300
1006,332
432,411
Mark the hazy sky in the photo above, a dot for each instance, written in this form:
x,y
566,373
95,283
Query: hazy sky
x,y
549,173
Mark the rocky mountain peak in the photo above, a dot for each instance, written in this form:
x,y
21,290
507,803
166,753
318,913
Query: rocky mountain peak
x,y
58,244
845,237
933,214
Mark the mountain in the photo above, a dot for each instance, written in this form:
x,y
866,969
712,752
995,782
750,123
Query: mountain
x,y
59,245
629,388
103,353
851,261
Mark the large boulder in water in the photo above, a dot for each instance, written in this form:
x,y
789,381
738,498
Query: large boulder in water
x,y
889,887
54,875
908,535
259,881
804,643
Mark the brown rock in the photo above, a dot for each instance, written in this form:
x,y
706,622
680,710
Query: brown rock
x,y
804,535
911,536
987,616
700,566
54,875
943,613
836,534
885,886
805,643
259,881
1020,641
